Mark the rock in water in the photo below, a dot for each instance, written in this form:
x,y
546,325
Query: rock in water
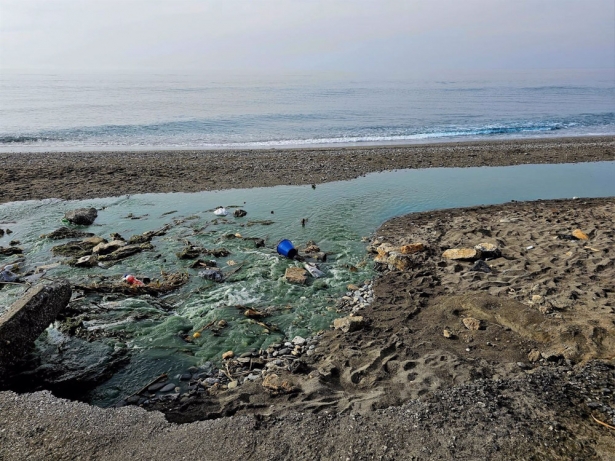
x,y
240,213
28,317
82,216
296,275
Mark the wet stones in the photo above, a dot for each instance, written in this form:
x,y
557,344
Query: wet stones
x,y
11,250
296,275
66,233
77,249
110,247
87,261
81,216
240,213
125,251
357,298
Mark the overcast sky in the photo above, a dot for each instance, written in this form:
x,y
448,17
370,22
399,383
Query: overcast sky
x,y
411,36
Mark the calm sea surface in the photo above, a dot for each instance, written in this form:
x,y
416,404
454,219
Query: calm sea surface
x,y
118,112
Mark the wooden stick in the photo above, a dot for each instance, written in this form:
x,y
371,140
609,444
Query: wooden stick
x,y
603,424
144,388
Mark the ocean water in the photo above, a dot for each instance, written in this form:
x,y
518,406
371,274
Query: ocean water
x,y
135,112
339,215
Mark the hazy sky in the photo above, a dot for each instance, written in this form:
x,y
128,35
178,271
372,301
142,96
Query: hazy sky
x,y
411,36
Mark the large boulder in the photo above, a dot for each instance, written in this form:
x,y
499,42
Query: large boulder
x,y
81,216
28,317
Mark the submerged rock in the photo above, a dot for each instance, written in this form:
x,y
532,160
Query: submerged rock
x,y
296,275
81,216
66,233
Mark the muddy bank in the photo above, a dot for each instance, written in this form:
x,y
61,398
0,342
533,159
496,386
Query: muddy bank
x,y
81,175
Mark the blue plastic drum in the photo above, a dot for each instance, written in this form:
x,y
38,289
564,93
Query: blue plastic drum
x,y
286,248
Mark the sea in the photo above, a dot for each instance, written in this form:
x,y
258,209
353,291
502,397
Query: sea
x,y
111,112
47,113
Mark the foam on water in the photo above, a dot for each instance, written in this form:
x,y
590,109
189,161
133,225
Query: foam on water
x,y
115,112
339,215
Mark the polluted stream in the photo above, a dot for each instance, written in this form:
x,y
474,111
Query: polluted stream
x,y
107,345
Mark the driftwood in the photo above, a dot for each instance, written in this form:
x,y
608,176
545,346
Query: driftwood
x,y
168,282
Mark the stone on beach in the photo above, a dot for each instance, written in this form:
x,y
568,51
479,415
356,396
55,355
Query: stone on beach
x,y
468,254
412,248
400,261
579,234
81,216
349,324
472,323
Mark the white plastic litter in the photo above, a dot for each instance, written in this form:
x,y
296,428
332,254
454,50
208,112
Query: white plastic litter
x,y
313,270
221,211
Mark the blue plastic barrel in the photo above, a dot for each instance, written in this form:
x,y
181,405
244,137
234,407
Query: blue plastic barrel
x,y
286,248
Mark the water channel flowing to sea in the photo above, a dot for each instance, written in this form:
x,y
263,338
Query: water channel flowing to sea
x,y
339,215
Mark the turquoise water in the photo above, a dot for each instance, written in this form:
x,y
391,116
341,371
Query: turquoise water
x,y
338,216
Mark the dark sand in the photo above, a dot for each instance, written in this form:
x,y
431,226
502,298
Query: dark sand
x,y
523,386
81,175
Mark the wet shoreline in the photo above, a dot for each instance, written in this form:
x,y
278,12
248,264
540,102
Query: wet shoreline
x,y
82,175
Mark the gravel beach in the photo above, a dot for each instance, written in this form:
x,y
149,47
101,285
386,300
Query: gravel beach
x,y
82,175
502,350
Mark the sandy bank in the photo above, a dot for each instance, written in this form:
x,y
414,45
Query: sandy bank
x,y
81,175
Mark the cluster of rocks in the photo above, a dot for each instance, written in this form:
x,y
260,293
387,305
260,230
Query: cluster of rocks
x,y
357,297
260,366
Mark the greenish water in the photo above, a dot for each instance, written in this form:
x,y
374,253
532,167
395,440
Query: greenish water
x,y
338,215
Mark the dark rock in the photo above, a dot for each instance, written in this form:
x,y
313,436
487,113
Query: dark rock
x,y
77,248
125,252
168,387
190,252
28,317
240,213
217,252
156,387
481,266
66,233
212,274
185,377
8,251
86,261
82,216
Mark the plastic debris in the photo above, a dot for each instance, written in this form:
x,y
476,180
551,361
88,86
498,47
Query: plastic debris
x,y
313,270
221,211
132,280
